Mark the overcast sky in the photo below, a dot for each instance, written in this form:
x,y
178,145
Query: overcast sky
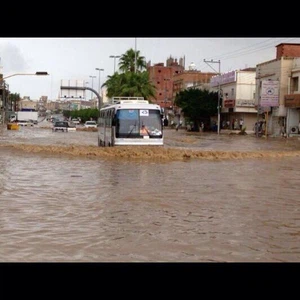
x,y
77,58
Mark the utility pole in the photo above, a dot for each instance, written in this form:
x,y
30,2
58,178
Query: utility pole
x,y
135,67
114,57
219,89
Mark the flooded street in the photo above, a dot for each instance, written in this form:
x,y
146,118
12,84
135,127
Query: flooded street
x,y
202,197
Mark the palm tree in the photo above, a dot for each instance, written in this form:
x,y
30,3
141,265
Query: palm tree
x,y
113,84
127,61
14,98
130,85
137,85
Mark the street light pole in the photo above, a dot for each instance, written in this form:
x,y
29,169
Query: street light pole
x,y
36,74
114,57
2,81
92,84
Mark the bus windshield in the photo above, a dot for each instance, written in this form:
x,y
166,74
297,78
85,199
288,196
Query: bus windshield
x,y
138,122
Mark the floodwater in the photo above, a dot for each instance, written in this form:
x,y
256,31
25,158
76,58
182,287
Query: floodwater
x,y
202,197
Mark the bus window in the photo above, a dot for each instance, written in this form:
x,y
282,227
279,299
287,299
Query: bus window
x,y
128,123
152,121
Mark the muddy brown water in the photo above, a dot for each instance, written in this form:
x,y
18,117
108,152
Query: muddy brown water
x,y
202,197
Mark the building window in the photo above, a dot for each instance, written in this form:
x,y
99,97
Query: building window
x,y
295,82
232,92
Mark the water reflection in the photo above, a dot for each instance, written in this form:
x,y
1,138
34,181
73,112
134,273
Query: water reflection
x,y
226,198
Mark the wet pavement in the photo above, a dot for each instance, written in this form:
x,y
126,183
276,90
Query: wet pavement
x,y
202,197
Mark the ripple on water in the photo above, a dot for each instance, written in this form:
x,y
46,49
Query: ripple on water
x,y
207,198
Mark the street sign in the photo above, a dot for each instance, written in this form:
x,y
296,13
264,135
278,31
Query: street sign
x,y
269,93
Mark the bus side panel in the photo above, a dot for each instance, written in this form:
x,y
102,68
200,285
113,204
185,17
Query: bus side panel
x,y
106,133
101,133
113,135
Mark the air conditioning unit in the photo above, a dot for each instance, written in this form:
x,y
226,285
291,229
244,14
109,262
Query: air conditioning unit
x,y
294,129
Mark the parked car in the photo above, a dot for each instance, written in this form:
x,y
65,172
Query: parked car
x,y
90,124
35,122
75,121
24,123
61,126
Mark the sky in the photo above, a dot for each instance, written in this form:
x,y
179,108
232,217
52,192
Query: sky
x,y
77,58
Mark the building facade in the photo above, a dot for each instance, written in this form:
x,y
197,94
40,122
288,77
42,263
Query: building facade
x,y
292,100
173,78
27,104
281,115
237,91
161,77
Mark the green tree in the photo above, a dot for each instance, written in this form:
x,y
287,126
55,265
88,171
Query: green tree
x,y
113,85
128,59
85,114
14,98
129,83
197,105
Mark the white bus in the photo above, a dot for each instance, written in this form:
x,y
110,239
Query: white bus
x,y
130,121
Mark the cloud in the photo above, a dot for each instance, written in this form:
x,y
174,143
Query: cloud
x,y
12,59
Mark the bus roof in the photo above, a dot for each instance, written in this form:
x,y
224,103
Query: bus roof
x,y
131,101
131,105
121,99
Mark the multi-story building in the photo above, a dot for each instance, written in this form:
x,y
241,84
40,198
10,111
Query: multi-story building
x,y
281,110
162,78
52,105
27,104
237,89
173,78
292,100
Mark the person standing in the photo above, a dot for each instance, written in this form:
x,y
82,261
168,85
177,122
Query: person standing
x,y
228,124
236,124
241,123
202,127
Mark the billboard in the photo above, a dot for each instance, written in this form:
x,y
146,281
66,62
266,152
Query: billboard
x,y
269,93
72,93
223,79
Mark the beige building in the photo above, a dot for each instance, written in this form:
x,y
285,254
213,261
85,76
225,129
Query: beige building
x,y
26,103
284,71
237,89
292,100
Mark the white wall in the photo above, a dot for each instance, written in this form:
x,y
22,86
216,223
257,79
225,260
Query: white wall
x,y
245,86
292,118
